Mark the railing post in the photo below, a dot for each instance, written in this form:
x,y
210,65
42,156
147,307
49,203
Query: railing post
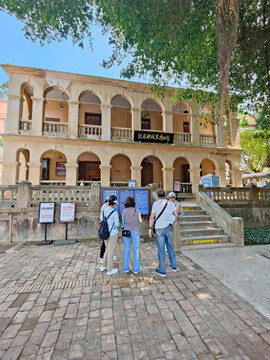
x,y
23,194
238,231
254,195
177,237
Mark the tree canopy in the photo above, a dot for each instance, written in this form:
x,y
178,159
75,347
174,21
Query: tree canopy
x,y
216,45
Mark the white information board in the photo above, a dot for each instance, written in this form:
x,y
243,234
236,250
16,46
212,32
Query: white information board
x,y
46,212
67,212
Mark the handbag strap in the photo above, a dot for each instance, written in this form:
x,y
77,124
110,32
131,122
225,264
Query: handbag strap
x,y
159,215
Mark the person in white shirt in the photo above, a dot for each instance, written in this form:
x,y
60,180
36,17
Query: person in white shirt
x,y
163,217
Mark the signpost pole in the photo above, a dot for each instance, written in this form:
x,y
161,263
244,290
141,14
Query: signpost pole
x,y
67,214
45,242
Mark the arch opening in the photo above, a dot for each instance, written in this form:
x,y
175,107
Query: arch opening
x,y
89,168
22,158
120,171
207,166
182,175
26,106
151,172
151,116
53,171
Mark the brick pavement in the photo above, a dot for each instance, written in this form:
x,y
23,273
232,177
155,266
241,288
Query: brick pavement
x,y
56,304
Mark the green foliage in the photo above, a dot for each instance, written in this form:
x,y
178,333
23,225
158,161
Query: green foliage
x,y
3,90
256,153
244,120
1,142
257,236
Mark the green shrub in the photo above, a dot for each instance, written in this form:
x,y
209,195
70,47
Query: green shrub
x,y
257,236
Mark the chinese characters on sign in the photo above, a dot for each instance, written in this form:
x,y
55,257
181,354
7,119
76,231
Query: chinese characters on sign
x,y
152,136
67,212
60,169
46,213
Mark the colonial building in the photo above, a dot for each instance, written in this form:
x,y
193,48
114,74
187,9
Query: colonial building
x,y
75,129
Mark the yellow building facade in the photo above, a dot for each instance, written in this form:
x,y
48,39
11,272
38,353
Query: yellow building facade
x,y
72,129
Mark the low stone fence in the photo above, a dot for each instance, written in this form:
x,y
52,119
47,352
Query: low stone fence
x,y
252,204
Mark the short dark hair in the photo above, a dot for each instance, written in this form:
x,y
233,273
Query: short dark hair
x,y
129,202
160,193
112,199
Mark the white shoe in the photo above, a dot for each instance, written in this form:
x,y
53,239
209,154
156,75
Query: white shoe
x,y
115,258
103,268
100,261
113,271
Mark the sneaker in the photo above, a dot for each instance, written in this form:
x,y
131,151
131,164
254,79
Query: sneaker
x,y
115,258
101,261
113,271
173,269
126,271
136,272
160,273
103,268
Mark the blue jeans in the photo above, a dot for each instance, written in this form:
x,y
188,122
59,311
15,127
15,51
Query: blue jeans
x,y
135,240
165,237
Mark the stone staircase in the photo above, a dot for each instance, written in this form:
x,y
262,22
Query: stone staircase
x,y
198,228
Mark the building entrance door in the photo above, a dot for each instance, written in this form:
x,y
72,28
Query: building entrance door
x,y
147,172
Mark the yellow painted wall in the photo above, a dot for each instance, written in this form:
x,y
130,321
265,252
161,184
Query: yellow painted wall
x,y
178,122
177,173
208,130
120,117
208,167
26,112
54,157
53,110
156,120
89,108
120,170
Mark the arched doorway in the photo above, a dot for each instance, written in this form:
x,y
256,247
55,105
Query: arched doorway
x,y
121,118
53,167
88,170
90,118
120,170
55,122
228,168
151,171
26,105
151,117
181,174
22,158
207,167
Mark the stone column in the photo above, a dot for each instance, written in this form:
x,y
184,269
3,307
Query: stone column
x,y
37,116
13,114
73,118
195,124
22,174
168,179
136,174
34,172
236,178
105,175
136,119
23,195
167,118
106,122
195,178
235,136
219,136
177,237
71,174
222,175
9,173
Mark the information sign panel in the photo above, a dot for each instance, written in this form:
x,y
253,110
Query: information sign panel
x,y
131,183
176,186
123,194
142,201
67,212
46,212
60,169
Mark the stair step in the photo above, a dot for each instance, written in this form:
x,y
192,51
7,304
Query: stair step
x,y
190,208
194,218
211,239
195,224
194,212
200,232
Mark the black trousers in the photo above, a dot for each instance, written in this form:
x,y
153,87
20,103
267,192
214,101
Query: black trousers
x,y
102,249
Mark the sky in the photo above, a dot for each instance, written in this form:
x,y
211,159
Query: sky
x,y
64,56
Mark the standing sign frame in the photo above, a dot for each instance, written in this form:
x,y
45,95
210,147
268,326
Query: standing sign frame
x,y
66,216
46,215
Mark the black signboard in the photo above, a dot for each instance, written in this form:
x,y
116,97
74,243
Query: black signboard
x,y
153,137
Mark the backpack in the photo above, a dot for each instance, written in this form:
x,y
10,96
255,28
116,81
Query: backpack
x,y
103,231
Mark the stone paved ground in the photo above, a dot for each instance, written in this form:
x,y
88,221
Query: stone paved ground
x,y
56,304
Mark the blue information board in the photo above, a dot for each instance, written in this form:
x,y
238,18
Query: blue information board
x,y
123,194
107,193
142,201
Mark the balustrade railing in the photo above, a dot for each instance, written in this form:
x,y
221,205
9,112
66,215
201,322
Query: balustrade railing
x,y
208,139
90,131
53,182
227,140
228,194
8,195
186,188
119,183
55,128
124,134
88,183
182,138
25,125
264,194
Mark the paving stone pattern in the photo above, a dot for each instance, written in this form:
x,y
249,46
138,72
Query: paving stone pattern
x,y
56,304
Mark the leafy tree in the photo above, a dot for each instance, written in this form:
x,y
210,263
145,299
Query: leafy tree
x,y
3,90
